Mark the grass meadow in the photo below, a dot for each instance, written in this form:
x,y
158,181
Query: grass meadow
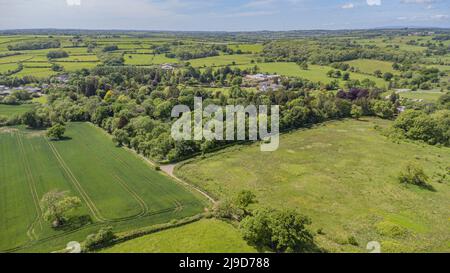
x,y
343,175
370,66
204,236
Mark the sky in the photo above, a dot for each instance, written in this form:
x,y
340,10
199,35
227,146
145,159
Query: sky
x,y
223,15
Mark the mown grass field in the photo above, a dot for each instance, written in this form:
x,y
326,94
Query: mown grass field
x,y
343,175
204,236
14,110
116,187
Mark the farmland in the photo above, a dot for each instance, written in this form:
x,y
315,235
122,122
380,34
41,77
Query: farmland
x,y
138,52
427,96
205,236
119,189
344,176
90,114
14,110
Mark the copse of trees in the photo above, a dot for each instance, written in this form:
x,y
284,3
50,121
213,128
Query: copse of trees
x,y
431,128
109,48
278,230
57,54
193,52
34,45
329,51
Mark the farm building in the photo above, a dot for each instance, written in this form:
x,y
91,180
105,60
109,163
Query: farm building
x,y
262,82
167,67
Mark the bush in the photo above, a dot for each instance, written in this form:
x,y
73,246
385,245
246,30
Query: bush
x,y
56,132
352,240
35,45
100,239
392,230
110,48
414,175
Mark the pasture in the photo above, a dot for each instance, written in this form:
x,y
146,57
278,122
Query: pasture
x,y
343,175
315,73
204,236
14,110
428,96
370,66
223,60
116,187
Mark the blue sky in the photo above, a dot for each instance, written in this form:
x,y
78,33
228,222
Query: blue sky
x,y
229,15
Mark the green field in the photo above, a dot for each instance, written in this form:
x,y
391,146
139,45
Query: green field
x,y
426,96
222,60
343,175
252,48
315,73
14,110
116,187
370,66
204,236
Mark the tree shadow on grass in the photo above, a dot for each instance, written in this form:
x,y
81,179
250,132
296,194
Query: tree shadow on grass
x,y
62,139
75,223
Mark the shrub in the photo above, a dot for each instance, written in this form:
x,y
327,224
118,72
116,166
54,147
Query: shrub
x,y
414,175
56,132
103,237
392,230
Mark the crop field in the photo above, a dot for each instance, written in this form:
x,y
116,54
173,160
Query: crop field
x,y
120,189
14,110
204,236
343,175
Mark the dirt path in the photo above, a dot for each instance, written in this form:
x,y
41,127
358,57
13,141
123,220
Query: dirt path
x,y
169,170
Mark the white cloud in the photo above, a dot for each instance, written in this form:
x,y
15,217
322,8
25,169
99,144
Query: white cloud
x,y
440,17
374,2
417,1
348,6
258,3
73,2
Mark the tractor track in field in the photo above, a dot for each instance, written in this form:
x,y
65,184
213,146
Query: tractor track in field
x,y
140,201
56,236
145,212
136,196
32,185
91,205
